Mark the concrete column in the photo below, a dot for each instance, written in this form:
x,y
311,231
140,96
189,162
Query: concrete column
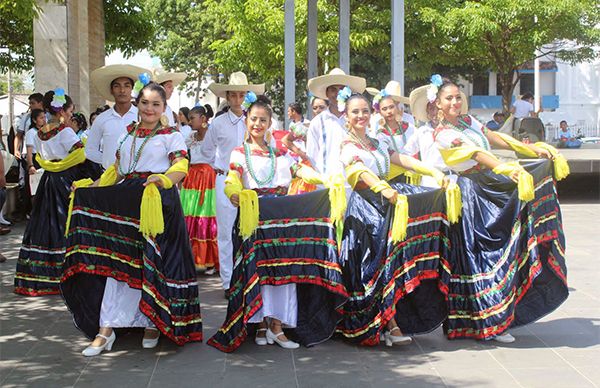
x,y
492,84
397,70
50,47
68,45
344,35
312,30
289,56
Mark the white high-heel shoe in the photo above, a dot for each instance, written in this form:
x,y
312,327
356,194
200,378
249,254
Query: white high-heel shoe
x,y
272,338
149,343
391,340
91,351
505,338
261,341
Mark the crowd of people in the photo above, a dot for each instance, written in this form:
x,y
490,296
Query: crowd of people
x,y
366,222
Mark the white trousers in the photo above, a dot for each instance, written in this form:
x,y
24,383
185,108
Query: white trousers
x,y
226,214
279,302
120,306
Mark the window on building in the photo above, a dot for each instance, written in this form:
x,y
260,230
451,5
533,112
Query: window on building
x,y
527,83
481,86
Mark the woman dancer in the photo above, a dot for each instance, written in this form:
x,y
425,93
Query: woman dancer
x,y
130,264
60,153
508,266
399,284
272,269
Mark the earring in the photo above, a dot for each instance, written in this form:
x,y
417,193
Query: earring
x,y
164,121
440,115
347,125
62,120
204,125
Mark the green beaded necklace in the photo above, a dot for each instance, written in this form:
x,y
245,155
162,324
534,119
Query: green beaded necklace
x,y
382,171
393,137
269,178
136,155
464,128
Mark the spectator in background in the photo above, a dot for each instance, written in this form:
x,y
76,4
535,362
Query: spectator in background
x,y
3,230
566,138
79,125
295,139
23,123
318,105
95,113
496,122
524,107
184,122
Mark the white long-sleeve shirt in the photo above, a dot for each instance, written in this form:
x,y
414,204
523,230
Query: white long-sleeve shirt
x,y
225,133
103,136
323,142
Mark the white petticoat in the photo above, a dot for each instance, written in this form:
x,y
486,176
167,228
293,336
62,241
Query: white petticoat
x,y
120,306
279,302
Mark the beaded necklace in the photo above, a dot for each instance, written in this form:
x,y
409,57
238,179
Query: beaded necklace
x,y
270,176
393,139
135,156
464,128
382,171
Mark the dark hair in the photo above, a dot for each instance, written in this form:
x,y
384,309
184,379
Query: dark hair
x,y
37,97
527,96
186,112
153,87
113,81
446,83
205,111
296,108
312,101
47,102
358,96
34,115
260,103
563,121
79,118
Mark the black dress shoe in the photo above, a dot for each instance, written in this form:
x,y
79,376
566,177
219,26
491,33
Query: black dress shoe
x,y
4,230
2,258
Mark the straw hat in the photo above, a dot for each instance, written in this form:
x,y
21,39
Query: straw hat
x,y
238,82
318,85
418,103
102,77
159,76
393,89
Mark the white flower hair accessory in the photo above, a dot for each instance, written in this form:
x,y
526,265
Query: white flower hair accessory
x,y
432,90
342,97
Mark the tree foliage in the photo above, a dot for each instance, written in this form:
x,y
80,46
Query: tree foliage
x,y
185,29
502,35
128,25
16,34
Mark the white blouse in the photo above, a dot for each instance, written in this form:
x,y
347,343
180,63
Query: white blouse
x,y
376,158
30,139
396,139
195,148
157,153
262,167
56,144
469,132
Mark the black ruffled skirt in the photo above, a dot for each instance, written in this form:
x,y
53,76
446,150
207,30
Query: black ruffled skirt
x,y
294,243
508,257
104,241
41,257
408,280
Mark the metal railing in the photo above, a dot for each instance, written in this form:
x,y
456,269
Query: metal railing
x,y
585,130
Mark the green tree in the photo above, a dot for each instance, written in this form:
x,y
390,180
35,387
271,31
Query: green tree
x,y
185,29
502,35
